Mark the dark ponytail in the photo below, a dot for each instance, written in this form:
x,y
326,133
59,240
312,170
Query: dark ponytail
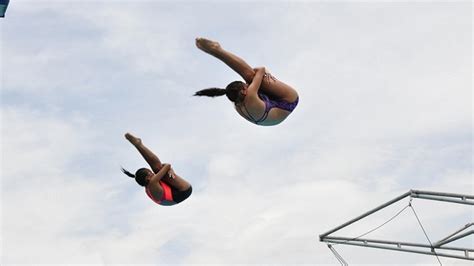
x,y
211,92
232,91
127,173
139,176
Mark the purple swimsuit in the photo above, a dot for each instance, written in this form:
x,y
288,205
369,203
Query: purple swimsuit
x,y
269,104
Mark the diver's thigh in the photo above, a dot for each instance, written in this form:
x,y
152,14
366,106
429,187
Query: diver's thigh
x,y
178,182
278,89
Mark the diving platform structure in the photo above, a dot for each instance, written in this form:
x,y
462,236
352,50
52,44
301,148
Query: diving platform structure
x,y
439,248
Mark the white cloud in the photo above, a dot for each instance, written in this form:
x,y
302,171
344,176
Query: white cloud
x,y
42,201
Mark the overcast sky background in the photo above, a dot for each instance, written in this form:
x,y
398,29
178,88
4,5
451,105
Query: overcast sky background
x,y
385,106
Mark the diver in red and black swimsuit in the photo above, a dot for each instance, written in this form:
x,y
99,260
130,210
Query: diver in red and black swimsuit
x,y
162,184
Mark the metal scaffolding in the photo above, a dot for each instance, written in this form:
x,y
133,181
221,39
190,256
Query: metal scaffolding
x,y
438,249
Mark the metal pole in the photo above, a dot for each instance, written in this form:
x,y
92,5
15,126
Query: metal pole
x,y
455,238
445,199
403,250
445,194
460,230
347,239
321,237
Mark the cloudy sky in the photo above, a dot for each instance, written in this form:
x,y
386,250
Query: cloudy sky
x,y
385,106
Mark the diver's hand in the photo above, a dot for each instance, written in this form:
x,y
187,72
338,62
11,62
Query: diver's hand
x,y
171,173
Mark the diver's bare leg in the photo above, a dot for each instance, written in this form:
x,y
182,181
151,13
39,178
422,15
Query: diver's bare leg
x,y
147,154
270,85
177,182
236,63
278,89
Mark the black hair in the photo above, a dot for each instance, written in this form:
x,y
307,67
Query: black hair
x,y
140,176
232,91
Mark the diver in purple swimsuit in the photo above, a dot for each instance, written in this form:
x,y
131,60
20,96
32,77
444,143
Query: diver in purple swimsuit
x,y
261,99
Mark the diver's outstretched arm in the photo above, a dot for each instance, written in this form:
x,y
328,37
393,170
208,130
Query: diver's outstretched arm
x,y
231,60
147,154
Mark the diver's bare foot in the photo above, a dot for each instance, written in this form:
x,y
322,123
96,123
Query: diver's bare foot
x,y
134,140
207,45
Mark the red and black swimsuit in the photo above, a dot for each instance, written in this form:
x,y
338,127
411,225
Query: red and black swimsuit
x,y
171,196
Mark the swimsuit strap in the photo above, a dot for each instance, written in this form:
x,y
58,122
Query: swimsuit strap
x,y
250,117
268,106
